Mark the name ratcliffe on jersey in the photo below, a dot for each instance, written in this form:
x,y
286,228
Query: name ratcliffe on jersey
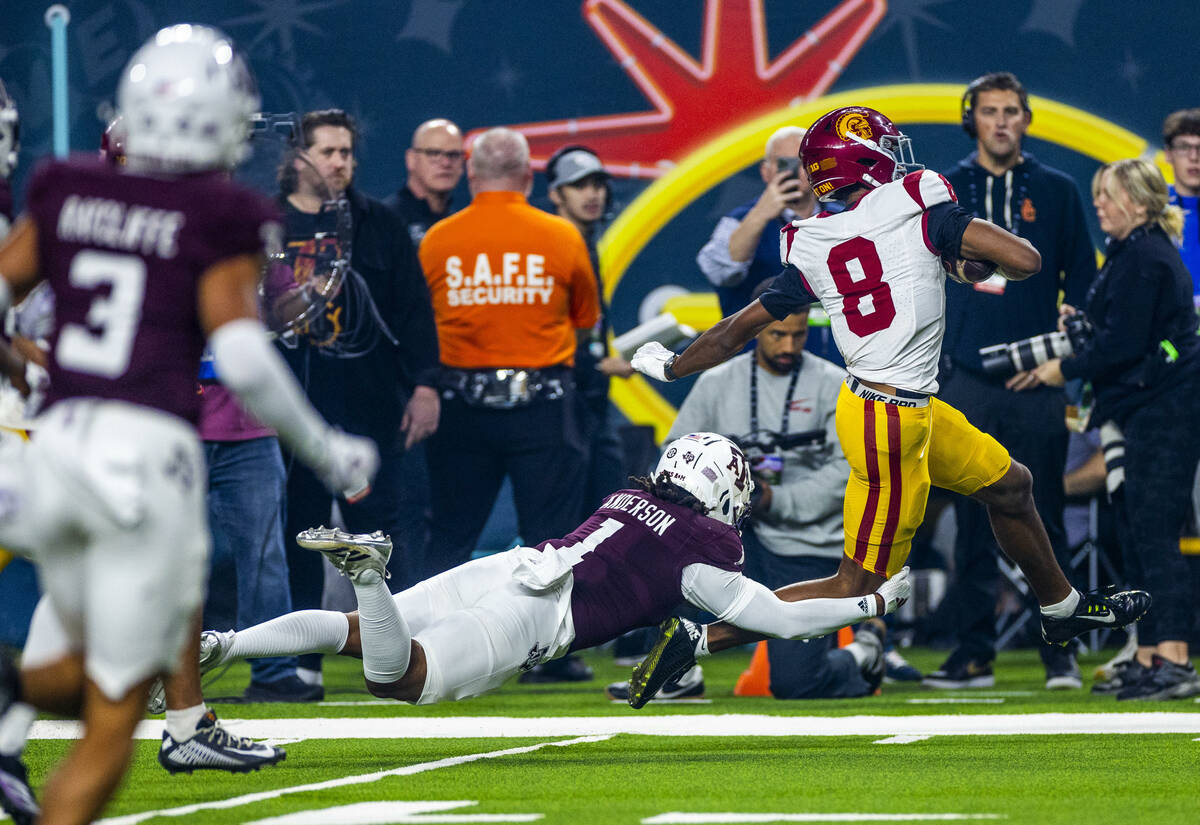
x,y
123,254
876,271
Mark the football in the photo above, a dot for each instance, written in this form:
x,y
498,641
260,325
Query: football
x,y
966,270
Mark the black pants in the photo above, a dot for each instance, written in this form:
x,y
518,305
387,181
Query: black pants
x,y
803,668
309,504
1161,451
538,447
605,463
1031,427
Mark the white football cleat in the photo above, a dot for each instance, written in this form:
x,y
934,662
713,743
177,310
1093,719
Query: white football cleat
x,y
352,554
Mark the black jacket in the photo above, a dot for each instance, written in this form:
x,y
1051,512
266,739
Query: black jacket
x,y
367,394
1142,296
415,213
1043,206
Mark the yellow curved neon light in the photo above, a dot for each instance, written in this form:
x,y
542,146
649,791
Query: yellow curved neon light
x,y
741,146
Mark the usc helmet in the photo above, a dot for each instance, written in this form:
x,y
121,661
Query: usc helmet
x,y
854,145
714,470
187,98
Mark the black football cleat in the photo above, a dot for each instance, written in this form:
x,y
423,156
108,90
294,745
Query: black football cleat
x,y
16,797
1096,611
213,748
673,653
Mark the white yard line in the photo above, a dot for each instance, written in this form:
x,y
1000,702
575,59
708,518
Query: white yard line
x,y
500,727
900,740
678,818
407,770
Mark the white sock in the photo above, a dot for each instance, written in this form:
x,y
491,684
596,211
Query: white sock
x,y
861,653
1064,608
14,728
181,724
309,676
305,631
702,644
382,631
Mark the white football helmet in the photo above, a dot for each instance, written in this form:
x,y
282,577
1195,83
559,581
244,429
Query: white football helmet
x,y
187,97
714,470
10,133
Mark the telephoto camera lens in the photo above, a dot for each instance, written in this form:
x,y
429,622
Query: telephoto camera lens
x,y
1009,359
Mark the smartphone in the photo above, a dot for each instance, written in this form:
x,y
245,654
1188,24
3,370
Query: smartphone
x,y
789,165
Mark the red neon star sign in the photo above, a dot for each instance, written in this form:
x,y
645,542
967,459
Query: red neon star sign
x,y
695,102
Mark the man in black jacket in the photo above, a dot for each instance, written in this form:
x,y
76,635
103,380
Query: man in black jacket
x,y
1009,187
369,363
435,164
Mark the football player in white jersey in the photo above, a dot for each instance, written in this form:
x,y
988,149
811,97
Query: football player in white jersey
x,y
877,268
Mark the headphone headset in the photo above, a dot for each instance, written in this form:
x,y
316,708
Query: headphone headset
x,y
552,172
967,105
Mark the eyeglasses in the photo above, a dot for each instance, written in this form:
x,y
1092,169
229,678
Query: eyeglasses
x,y
1185,148
454,156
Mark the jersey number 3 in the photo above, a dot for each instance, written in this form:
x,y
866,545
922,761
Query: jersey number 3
x,y
882,310
114,317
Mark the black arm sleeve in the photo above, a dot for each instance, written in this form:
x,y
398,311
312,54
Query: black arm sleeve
x,y
945,224
789,294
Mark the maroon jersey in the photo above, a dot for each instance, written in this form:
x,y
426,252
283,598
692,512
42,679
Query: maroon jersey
x,y
631,577
123,254
6,206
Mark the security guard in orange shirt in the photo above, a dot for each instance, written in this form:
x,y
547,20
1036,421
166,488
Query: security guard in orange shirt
x,y
511,286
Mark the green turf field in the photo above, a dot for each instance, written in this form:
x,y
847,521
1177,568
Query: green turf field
x,y
565,754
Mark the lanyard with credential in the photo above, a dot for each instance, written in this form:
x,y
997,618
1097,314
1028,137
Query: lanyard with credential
x,y
787,402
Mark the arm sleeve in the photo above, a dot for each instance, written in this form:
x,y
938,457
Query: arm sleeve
x,y
1078,254
945,225
714,260
789,294
418,353
733,598
255,372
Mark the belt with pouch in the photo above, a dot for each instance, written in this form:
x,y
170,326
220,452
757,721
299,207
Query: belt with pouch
x,y
504,389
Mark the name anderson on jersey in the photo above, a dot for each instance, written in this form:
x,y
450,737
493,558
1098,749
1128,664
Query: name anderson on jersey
x,y
116,225
655,518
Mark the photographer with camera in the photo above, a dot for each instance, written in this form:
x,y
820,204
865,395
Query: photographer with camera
x,y
743,250
1143,360
1007,186
778,403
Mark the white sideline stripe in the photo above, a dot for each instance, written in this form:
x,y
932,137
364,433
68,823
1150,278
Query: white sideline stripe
x,y
900,740
677,818
391,813
699,724
407,770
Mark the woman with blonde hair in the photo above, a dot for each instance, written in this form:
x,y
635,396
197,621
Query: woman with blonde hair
x,y
1144,365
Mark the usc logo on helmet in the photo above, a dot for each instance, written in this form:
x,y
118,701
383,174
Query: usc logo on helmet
x,y
855,122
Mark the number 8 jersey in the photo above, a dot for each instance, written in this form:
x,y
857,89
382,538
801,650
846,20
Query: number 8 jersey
x,y
875,269
124,254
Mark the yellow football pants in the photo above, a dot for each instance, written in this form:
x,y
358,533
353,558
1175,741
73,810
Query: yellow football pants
x,y
895,453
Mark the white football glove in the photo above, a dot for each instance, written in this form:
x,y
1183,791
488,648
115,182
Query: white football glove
x,y
349,465
651,359
895,591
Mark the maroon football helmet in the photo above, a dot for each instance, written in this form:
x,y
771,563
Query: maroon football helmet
x,y
854,145
112,142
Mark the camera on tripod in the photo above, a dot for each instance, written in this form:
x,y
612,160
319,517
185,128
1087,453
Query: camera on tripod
x,y
1004,360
